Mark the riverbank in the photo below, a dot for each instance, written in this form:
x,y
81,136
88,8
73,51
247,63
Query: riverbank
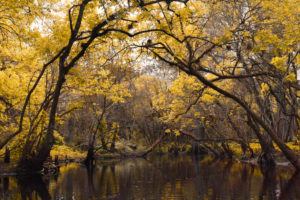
x,y
66,154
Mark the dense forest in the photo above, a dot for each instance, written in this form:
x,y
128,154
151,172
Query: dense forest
x,y
81,79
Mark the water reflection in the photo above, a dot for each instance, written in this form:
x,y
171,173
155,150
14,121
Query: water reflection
x,y
32,187
165,177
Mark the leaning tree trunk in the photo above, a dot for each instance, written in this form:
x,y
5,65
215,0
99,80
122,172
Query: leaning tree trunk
x,y
265,158
35,162
288,153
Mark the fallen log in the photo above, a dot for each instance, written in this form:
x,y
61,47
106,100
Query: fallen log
x,y
144,153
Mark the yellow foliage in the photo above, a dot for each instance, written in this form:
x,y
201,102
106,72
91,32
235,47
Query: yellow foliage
x,y
177,133
167,131
291,78
280,62
62,151
264,89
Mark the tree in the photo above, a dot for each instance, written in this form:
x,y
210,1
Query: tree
x,y
245,51
226,40
85,29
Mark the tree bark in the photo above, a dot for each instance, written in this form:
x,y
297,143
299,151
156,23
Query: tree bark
x,y
90,157
7,155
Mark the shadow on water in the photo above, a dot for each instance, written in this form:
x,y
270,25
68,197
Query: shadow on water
x,y
24,187
32,187
292,188
269,185
160,177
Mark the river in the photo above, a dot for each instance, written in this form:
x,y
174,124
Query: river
x,y
158,177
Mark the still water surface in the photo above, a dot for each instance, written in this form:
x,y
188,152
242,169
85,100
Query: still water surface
x,y
159,177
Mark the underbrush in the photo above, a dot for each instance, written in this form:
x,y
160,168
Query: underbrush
x,y
63,152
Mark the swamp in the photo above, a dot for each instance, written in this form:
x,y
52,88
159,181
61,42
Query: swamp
x,y
150,99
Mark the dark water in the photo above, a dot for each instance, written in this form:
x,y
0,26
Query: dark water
x,y
166,177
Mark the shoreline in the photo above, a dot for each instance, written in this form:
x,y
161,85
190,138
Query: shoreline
x,y
9,169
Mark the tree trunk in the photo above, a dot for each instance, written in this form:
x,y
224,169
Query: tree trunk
x,y
103,143
112,146
90,156
35,162
199,132
265,158
7,155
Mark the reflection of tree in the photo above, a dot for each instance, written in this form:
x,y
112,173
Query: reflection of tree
x,y
4,188
164,177
269,183
33,185
245,184
291,188
5,184
91,187
196,163
156,170
108,182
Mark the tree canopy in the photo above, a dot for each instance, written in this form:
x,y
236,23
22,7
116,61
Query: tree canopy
x,y
87,74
